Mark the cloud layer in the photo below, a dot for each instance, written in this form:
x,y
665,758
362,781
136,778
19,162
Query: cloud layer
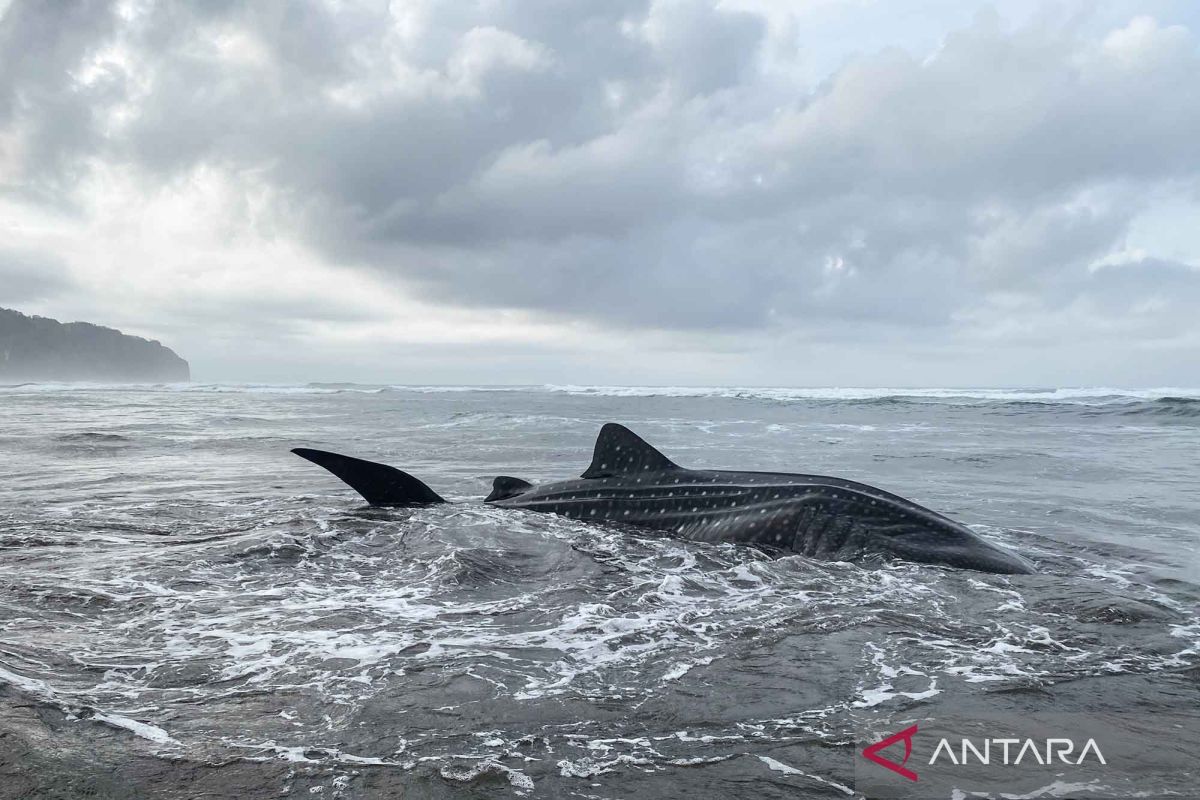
x,y
567,177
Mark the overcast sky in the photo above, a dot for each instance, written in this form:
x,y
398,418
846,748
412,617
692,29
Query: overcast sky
x,y
817,192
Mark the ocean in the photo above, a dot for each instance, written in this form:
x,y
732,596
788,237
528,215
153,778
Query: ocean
x,y
188,609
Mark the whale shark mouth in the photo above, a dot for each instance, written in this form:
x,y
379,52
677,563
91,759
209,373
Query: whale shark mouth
x,y
975,554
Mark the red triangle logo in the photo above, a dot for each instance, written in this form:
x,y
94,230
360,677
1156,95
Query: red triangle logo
x,y
871,752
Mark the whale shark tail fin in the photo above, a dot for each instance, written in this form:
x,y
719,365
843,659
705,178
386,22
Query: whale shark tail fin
x,y
620,451
379,484
504,487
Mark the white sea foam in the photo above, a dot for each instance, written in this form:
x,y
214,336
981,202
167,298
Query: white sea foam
x,y
1066,395
41,690
142,729
779,766
1081,395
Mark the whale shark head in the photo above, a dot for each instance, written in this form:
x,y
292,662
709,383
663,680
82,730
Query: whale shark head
x,y
948,543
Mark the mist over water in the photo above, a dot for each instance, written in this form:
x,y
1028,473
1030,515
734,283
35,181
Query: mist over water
x,y
180,592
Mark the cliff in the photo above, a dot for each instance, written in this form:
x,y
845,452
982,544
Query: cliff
x,y
40,349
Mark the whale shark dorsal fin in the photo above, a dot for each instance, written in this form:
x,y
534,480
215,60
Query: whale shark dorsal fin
x,y
379,484
620,451
506,486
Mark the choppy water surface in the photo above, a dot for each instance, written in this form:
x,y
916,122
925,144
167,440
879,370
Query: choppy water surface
x,y
181,596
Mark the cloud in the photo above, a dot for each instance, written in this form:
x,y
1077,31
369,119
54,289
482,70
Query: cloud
x,y
29,276
634,165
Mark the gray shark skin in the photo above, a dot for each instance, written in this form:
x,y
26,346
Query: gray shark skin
x,y
630,482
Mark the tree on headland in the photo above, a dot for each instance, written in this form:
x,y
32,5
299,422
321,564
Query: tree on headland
x,y
41,349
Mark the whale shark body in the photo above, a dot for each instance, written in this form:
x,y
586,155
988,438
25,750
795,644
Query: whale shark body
x,y
632,483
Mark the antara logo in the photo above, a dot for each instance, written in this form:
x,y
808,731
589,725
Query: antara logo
x,y
1062,749
872,752
1005,751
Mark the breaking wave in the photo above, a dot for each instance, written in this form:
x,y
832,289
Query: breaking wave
x,y
1171,397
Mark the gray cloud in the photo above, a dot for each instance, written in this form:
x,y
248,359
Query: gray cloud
x,y
27,277
644,164
41,45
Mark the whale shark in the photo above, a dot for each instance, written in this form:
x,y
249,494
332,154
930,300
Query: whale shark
x,y
631,483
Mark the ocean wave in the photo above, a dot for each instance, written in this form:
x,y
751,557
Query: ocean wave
x,y
1165,404
1184,407
1083,396
1089,396
92,437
